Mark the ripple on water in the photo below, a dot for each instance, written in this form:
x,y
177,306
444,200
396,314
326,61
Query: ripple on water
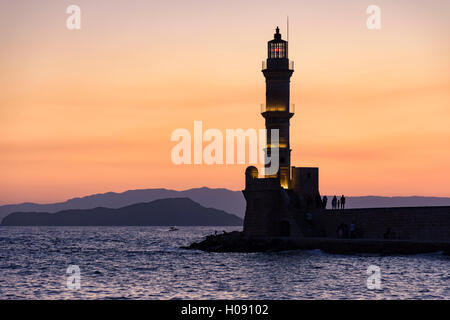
x,y
147,263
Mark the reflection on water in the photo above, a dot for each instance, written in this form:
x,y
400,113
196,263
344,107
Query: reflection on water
x,y
146,263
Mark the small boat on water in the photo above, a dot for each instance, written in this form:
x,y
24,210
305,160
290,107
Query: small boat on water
x,y
173,229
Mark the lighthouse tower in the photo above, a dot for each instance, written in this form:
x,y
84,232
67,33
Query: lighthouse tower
x,y
277,110
278,201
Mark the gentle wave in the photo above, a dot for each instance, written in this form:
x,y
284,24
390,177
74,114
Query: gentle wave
x,y
147,263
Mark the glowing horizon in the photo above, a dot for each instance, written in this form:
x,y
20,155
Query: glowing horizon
x,y
91,111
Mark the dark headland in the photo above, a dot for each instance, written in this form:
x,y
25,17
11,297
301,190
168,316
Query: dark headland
x,y
163,212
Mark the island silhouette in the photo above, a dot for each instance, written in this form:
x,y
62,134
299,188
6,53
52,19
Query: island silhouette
x,y
163,212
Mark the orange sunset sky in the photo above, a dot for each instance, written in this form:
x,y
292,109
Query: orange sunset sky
x,y
92,110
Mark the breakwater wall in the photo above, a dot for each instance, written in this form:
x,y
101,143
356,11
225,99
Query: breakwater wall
x,y
399,223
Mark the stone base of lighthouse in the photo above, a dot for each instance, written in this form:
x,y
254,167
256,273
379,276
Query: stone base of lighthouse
x,y
273,211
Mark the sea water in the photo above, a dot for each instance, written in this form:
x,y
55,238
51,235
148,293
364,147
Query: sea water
x,y
148,263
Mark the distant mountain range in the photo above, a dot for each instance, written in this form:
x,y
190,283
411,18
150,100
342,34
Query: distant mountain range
x,y
163,212
221,199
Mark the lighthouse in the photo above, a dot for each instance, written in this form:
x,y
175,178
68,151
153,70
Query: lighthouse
x,y
277,111
278,201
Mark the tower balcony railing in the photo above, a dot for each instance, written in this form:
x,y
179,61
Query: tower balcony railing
x,y
264,65
279,108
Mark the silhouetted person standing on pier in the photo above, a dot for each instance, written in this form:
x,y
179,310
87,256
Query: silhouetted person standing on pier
x,y
352,230
342,202
324,202
334,202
